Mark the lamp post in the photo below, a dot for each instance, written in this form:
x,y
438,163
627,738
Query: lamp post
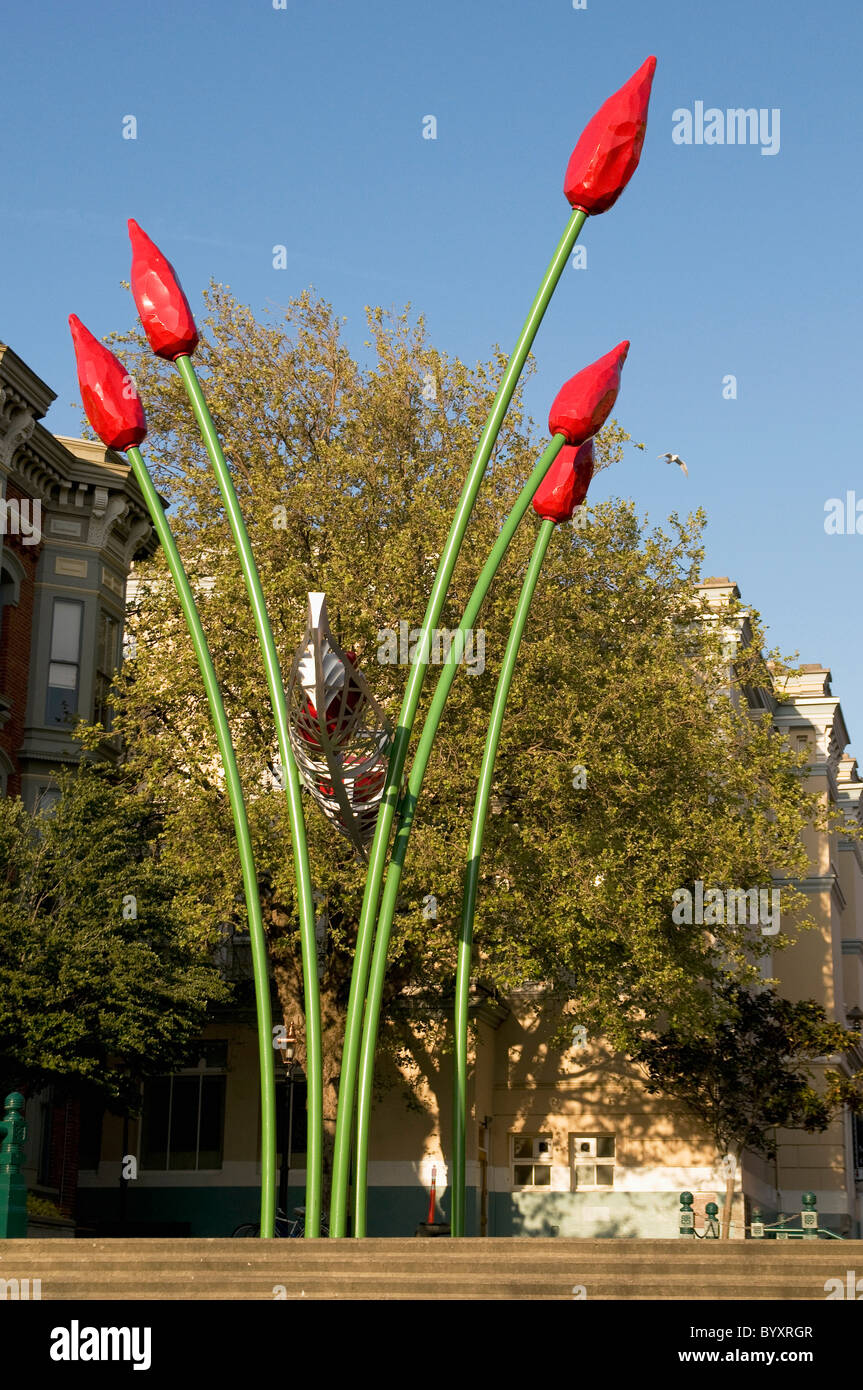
x,y
288,1050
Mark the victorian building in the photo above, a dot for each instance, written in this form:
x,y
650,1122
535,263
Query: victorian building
x,y
71,522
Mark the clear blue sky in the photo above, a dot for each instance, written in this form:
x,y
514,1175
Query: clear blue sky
x,y
303,127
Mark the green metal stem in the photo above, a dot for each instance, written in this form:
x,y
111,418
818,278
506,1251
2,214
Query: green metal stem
x,y
241,830
408,804
314,1063
480,810
401,741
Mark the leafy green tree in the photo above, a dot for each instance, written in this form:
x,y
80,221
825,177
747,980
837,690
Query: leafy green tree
x,y
752,1073
348,473
101,983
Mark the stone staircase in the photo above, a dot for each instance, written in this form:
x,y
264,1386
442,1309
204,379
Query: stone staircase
x,y
499,1268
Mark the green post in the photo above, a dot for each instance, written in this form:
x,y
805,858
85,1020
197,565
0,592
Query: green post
x,y
13,1188
809,1216
711,1231
408,805
471,878
302,871
354,1025
756,1225
687,1215
241,830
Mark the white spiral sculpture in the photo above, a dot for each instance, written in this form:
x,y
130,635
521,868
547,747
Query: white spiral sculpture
x,y
339,733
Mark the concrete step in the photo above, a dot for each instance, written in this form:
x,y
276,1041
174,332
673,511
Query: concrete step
x,y
299,1260
468,1251
419,1269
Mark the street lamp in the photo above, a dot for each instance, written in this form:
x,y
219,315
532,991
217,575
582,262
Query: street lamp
x,y
288,1049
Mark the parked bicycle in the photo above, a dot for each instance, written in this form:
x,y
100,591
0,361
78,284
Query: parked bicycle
x,y
284,1226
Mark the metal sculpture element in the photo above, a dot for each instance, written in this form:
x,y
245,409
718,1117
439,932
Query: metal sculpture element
x,y
117,416
339,733
166,319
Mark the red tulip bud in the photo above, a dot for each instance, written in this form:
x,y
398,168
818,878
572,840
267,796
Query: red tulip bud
x,y
108,393
162,306
584,403
565,485
608,151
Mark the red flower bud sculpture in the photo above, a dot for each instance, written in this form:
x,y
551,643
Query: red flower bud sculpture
x,y
108,393
162,306
565,485
584,403
608,151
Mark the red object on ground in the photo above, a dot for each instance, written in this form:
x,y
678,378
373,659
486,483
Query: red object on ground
x,y
108,393
609,148
430,1218
584,403
565,485
162,306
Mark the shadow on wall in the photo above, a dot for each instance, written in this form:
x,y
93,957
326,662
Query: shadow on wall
x,y
587,1216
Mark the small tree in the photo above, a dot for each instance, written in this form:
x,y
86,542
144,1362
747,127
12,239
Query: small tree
x,y
100,984
752,1075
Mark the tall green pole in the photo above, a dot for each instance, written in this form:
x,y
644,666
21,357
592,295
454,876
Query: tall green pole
x,y
407,815
480,810
401,740
314,1062
241,830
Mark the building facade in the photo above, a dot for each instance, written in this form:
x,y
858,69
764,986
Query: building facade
x,y
72,520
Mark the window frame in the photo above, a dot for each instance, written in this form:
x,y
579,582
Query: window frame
x,y
592,1157
50,718
102,677
201,1070
536,1160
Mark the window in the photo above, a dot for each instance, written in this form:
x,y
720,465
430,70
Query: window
x,y
106,664
531,1160
10,585
183,1116
64,667
46,800
592,1161
90,1141
299,1124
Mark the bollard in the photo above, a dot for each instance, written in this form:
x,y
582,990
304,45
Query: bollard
x,y
809,1217
711,1230
13,1188
756,1226
687,1215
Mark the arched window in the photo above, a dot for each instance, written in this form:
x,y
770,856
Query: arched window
x,y
11,575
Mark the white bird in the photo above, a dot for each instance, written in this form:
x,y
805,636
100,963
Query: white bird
x,y
675,458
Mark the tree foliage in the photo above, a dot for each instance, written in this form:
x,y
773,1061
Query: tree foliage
x,y
348,473
753,1072
100,982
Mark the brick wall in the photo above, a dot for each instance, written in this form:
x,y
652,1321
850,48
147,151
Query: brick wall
x,y
16,631
63,1161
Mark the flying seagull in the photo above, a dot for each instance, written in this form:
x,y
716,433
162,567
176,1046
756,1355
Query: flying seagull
x,y
675,458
